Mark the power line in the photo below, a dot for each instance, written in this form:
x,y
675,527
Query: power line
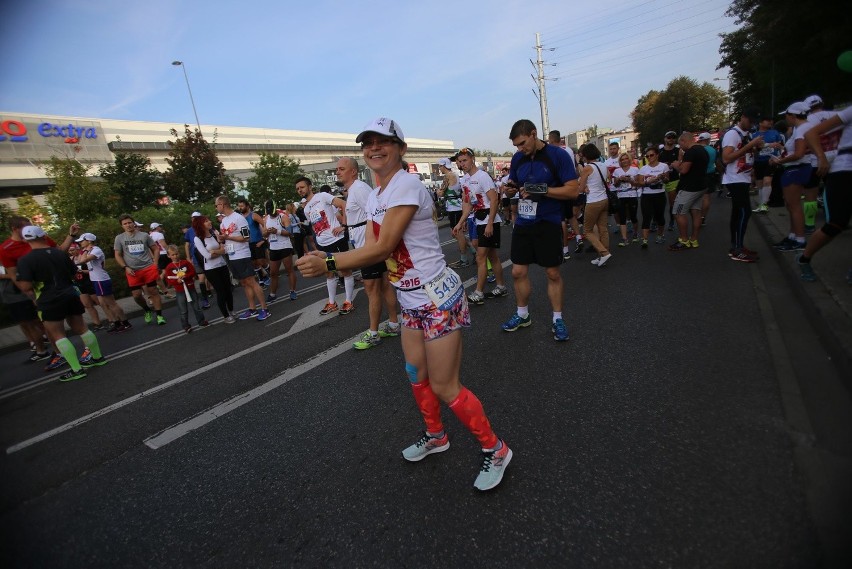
x,y
582,21
595,68
639,34
568,36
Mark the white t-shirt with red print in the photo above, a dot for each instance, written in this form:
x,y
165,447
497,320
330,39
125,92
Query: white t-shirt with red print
x,y
475,191
322,216
738,171
417,258
236,224
277,242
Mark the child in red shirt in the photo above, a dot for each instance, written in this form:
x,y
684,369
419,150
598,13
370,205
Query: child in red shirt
x,y
181,275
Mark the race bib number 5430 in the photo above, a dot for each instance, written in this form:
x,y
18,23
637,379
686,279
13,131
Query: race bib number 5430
x,y
445,289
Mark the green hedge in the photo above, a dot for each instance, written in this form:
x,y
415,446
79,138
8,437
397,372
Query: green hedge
x,y
106,228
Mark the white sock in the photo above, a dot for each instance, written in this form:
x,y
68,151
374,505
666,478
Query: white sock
x,y
331,285
349,286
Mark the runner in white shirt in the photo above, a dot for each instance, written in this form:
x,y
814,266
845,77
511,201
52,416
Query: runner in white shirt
x,y
451,192
94,257
829,142
160,239
624,179
321,211
402,230
277,234
838,181
738,156
652,200
798,171
376,284
234,235
480,200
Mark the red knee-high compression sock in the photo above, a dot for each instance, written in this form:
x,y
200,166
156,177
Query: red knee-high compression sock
x,y
470,412
430,406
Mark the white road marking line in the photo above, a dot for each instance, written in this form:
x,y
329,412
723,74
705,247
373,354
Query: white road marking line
x,y
185,427
118,405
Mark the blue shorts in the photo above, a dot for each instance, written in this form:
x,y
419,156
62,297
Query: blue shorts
x,y
798,175
102,288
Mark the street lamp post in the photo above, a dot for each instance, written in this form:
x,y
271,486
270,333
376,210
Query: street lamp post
x,y
188,88
728,102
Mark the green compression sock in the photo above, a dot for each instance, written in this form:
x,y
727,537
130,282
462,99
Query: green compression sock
x,y
92,342
66,348
810,212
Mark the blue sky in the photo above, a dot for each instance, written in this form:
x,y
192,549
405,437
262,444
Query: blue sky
x,y
444,70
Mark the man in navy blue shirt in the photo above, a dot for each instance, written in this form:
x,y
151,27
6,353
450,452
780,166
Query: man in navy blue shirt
x,y
544,176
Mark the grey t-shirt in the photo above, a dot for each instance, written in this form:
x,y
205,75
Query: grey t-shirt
x,y
136,249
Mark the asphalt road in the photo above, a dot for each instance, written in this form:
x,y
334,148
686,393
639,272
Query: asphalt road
x,y
677,428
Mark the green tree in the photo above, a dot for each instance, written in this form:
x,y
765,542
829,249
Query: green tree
x,y
74,195
274,177
683,105
28,207
784,51
133,180
5,214
195,174
591,131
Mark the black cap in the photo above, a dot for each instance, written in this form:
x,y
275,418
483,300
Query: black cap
x,y
752,113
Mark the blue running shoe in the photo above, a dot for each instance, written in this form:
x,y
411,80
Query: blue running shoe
x,y
808,274
56,362
560,331
516,322
293,295
263,314
247,313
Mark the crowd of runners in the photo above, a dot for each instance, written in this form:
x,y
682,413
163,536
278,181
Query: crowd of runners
x,y
553,201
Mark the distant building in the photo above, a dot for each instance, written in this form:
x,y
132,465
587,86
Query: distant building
x,y
27,140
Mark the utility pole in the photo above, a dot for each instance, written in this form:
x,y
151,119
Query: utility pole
x,y
542,94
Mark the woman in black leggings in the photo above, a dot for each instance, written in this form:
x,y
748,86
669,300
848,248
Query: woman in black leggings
x,y
215,267
651,178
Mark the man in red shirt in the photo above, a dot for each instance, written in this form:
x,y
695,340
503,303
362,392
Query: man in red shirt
x,y
20,307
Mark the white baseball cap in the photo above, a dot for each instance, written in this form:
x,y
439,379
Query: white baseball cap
x,y
813,101
86,237
137,224
446,163
196,214
383,126
797,108
704,136
32,232
155,225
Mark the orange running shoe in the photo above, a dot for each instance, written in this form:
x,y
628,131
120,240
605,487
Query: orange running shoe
x,y
346,308
329,308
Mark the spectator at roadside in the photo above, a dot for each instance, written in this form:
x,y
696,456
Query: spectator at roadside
x,y
95,259
50,271
838,181
215,267
135,253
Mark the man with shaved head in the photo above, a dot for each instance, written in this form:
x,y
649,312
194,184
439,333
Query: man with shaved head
x,y
376,284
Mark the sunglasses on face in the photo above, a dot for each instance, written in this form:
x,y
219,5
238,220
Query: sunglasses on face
x,y
377,142
651,155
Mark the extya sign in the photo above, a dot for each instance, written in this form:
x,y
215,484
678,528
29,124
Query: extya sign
x,y
16,131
